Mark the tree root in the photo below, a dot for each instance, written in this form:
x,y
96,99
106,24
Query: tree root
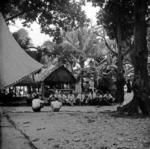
x,y
135,107
129,109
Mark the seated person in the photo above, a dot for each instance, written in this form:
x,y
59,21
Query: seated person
x,y
85,100
51,98
71,99
90,97
80,97
77,99
56,105
64,97
108,97
94,95
37,104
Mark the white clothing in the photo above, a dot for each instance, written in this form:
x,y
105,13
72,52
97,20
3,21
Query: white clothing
x,y
127,98
94,95
56,105
81,96
64,97
37,103
125,88
71,97
89,96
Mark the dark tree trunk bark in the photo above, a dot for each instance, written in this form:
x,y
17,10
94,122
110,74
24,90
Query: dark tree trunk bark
x,y
120,88
120,77
140,54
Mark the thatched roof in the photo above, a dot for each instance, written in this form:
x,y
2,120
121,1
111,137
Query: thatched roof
x,y
55,73
28,80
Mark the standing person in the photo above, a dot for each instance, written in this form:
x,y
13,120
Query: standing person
x,y
56,105
37,104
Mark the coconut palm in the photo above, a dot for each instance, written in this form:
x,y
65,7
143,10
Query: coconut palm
x,y
84,43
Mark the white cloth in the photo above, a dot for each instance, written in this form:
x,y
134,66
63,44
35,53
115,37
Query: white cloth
x,y
37,103
56,105
107,96
127,98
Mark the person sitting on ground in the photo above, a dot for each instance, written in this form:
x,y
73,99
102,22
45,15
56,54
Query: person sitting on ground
x,y
89,98
63,98
51,98
108,97
77,99
56,105
59,96
71,99
100,98
85,100
37,104
94,94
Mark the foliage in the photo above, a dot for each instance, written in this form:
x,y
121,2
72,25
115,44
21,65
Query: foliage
x,y
83,41
83,44
22,37
117,12
48,46
52,15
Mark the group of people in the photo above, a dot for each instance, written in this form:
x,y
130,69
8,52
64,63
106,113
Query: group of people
x,y
57,99
89,98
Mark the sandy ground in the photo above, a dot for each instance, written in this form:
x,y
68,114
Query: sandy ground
x,y
84,127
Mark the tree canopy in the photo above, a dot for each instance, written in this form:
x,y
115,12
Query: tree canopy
x,y
22,37
52,15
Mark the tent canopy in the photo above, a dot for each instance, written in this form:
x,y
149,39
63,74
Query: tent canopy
x,y
15,63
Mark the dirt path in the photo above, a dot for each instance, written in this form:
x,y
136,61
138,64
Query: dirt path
x,y
11,137
80,128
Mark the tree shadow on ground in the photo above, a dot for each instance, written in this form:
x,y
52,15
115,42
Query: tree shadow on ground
x,y
117,114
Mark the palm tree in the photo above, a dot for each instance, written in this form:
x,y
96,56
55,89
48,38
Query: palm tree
x,y
84,43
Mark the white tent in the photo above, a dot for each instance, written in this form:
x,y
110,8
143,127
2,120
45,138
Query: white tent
x,y
15,63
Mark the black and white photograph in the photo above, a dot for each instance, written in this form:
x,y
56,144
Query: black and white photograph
x,y
75,74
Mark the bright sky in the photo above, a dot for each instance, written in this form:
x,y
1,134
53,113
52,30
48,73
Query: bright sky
x,y
34,31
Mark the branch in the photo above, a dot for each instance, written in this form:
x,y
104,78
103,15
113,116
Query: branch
x,y
108,46
130,45
126,52
148,19
37,48
15,16
106,43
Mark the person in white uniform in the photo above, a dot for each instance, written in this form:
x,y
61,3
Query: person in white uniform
x,y
37,104
56,105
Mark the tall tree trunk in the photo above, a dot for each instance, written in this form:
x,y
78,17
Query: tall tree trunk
x,y
140,59
120,77
140,55
82,72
